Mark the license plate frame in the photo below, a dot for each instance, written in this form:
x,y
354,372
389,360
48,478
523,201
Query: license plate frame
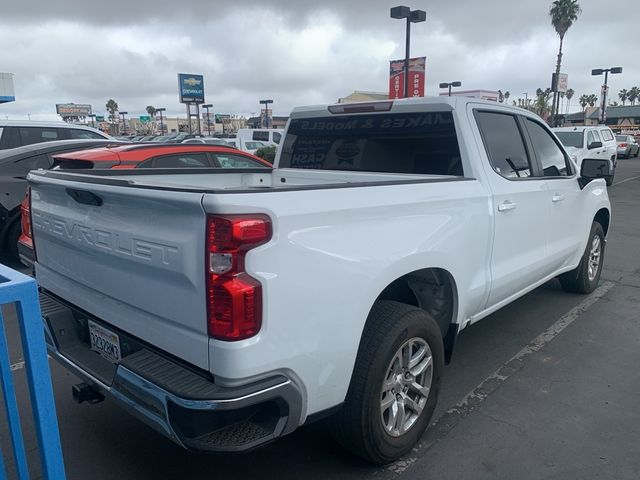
x,y
105,342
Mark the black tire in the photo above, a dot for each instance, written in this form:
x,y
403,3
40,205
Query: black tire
x,y
577,281
358,426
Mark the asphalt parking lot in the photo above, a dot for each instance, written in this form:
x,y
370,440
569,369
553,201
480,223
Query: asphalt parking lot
x,y
545,388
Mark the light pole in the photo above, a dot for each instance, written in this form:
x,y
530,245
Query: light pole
x,y
526,99
92,116
449,85
600,71
266,111
412,16
207,107
160,110
124,123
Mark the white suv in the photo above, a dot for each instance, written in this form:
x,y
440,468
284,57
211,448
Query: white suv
x,y
590,142
17,133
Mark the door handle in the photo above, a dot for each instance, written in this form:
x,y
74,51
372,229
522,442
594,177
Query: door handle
x,y
557,197
506,205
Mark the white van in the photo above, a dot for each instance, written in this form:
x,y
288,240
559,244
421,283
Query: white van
x,y
269,136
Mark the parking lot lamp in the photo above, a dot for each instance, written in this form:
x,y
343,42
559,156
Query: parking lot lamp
x,y
124,122
266,103
160,110
600,71
207,107
412,16
449,85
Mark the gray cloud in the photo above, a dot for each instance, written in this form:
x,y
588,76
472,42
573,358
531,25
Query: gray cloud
x,y
294,52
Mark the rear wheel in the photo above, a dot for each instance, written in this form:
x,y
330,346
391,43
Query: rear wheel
x,y
585,278
395,383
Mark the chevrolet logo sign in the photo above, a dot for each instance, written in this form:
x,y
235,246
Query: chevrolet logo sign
x,y
192,82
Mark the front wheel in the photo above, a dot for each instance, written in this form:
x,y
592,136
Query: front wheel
x,y
585,278
395,383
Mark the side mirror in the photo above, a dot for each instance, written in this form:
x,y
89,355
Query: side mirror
x,y
593,168
593,145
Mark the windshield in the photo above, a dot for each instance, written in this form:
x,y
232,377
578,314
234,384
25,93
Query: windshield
x,y
422,143
571,139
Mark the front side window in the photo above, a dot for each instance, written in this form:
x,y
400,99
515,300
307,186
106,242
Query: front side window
x,y
596,136
230,160
504,144
77,133
276,137
551,157
185,160
406,143
590,138
31,135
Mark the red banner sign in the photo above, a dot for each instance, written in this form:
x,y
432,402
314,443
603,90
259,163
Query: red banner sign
x,y
417,68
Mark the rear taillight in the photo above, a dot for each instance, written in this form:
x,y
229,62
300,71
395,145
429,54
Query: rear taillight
x,y
234,298
622,144
25,218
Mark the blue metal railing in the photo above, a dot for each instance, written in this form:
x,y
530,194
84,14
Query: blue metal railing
x,y
18,289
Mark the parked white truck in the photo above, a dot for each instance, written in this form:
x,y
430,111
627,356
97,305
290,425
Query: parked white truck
x,y
227,308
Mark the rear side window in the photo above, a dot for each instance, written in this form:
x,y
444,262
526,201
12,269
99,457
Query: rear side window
x,y
83,134
35,162
411,143
237,161
607,135
261,136
31,135
186,160
549,154
504,144
276,137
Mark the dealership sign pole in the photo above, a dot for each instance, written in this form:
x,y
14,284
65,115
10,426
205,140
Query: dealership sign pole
x,y
191,89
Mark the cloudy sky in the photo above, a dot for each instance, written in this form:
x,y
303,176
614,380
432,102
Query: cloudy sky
x,y
296,51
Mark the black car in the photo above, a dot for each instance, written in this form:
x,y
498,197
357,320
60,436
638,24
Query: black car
x,y
15,163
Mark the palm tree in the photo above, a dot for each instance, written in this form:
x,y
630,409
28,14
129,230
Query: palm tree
x,y
584,100
633,95
151,110
500,96
623,95
506,96
570,94
112,108
592,100
563,13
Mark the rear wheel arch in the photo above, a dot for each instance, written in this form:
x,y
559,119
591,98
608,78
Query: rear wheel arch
x,y
434,290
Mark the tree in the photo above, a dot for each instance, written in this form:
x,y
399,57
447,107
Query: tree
x,y
151,110
500,96
563,13
623,95
570,94
506,96
634,94
592,100
584,100
541,105
613,104
112,108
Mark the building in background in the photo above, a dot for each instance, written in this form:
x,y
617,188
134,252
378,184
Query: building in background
x,y
623,118
7,93
362,96
492,95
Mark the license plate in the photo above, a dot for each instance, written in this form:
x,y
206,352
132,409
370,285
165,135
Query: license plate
x,y
105,342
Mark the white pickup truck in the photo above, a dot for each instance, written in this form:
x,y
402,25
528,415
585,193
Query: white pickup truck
x,y
227,308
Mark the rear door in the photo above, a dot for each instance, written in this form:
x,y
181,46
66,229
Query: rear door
x,y
519,210
132,257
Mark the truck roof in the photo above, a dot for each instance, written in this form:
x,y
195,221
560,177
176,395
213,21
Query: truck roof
x,y
401,105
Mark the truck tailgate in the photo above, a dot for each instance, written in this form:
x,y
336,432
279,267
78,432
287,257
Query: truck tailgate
x,y
132,257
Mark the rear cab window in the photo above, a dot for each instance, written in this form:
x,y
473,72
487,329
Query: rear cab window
x,y
607,136
406,143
